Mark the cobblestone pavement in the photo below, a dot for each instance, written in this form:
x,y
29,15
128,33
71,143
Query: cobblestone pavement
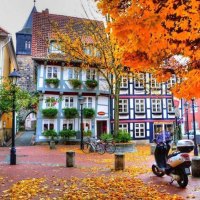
x,y
39,161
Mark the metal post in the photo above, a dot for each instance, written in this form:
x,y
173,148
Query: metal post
x,y
187,124
13,149
194,128
81,126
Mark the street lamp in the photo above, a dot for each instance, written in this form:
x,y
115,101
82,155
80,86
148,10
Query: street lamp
x,y
194,128
81,100
13,79
186,105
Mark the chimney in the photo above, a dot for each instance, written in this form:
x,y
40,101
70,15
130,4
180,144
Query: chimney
x,y
46,11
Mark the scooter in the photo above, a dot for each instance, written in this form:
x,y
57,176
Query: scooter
x,y
177,164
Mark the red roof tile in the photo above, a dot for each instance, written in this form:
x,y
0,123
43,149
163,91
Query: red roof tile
x,y
43,30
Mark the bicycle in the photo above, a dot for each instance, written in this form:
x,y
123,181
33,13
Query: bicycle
x,y
109,146
93,145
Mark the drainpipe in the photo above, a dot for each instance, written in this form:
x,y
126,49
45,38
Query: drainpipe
x,y
1,57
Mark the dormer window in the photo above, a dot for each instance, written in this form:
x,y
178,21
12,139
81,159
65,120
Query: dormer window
x,y
27,44
54,47
91,51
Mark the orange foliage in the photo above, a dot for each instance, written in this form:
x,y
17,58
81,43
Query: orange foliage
x,y
153,31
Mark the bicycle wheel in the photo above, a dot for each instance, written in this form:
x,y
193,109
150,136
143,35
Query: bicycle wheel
x,y
100,149
110,148
87,147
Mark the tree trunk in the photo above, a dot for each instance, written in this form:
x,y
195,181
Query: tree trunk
x,y
116,107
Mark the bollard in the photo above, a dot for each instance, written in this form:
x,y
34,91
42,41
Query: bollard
x,y
70,159
119,161
196,166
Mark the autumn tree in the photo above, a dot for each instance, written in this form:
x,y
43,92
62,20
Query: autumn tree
x,y
152,32
93,47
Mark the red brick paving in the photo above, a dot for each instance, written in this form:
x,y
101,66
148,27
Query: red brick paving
x,y
39,161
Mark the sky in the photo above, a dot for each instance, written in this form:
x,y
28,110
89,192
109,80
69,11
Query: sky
x,y
14,13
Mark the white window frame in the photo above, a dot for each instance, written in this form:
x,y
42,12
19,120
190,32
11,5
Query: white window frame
x,y
91,74
124,82
157,104
68,122
52,72
123,127
140,104
139,130
48,122
54,47
139,81
154,84
73,73
87,123
172,81
123,106
195,108
52,103
87,102
170,108
70,103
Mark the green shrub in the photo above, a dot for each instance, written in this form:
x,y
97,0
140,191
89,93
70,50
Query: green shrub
x,y
50,133
50,112
67,133
91,83
53,81
75,83
106,136
123,137
88,112
70,113
87,133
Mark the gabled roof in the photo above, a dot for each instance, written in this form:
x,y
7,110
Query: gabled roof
x,y
3,32
27,28
43,29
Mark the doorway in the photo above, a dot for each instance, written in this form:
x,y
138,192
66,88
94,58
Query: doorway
x,y
101,128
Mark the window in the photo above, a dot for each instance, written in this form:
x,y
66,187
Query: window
x,y
27,44
156,105
123,106
124,82
73,73
139,130
154,84
91,51
54,47
50,102
86,125
48,125
52,72
91,74
139,106
139,81
170,107
195,107
68,124
69,102
123,127
87,102
87,50
171,82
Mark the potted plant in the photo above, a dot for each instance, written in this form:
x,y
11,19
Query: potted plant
x,y
52,82
76,83
50,112
67,133
87,133
52,134
88,112
70,113
91,83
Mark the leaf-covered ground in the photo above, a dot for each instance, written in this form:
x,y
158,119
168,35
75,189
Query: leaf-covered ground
x,y
97,180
